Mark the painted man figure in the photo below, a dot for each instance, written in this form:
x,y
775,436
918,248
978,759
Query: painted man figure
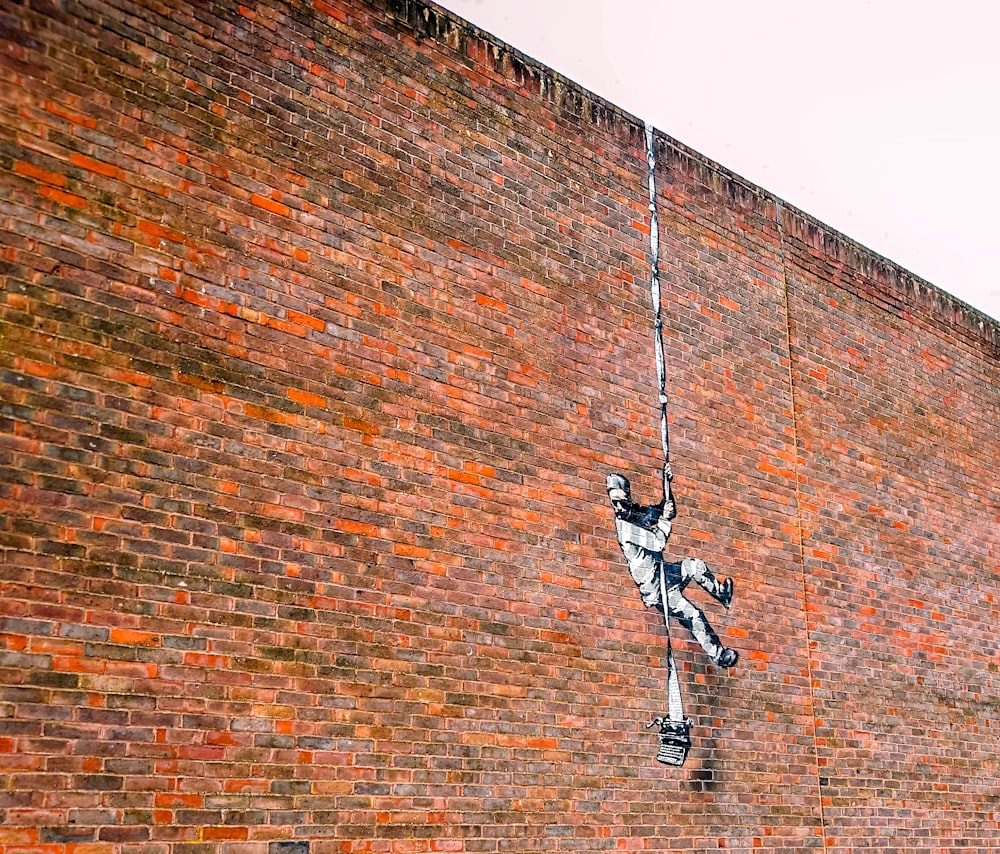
x,y
642,531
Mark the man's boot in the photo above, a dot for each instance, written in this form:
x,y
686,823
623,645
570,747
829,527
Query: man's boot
x,y
728,658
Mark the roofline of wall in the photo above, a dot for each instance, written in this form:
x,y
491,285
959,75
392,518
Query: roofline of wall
x,y
904,291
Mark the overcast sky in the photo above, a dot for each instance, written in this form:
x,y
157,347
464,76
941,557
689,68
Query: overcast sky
x,y
881,118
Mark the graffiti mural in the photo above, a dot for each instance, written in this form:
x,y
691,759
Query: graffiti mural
x,y
643,530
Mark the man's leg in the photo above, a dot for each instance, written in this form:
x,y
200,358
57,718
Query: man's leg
x,y
692,618
693,568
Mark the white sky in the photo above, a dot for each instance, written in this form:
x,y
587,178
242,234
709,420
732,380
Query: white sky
x,y
880,118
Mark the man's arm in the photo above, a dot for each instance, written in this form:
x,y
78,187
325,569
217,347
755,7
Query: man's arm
x,y
669,507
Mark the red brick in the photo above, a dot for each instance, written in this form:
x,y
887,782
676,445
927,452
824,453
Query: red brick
x,y
133,638
39,174
307,398
160,232
269,205
92,165
70,200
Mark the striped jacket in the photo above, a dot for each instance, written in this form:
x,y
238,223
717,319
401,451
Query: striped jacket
x,y
643,548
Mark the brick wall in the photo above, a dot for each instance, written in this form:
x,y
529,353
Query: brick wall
x,y
321,327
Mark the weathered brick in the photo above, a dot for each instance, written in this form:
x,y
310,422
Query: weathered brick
x,y
322,324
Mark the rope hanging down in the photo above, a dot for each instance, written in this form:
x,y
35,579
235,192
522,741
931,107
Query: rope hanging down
x,y
675,739
654,288
643,530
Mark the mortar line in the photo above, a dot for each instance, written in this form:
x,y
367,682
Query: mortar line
x,y
798,512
